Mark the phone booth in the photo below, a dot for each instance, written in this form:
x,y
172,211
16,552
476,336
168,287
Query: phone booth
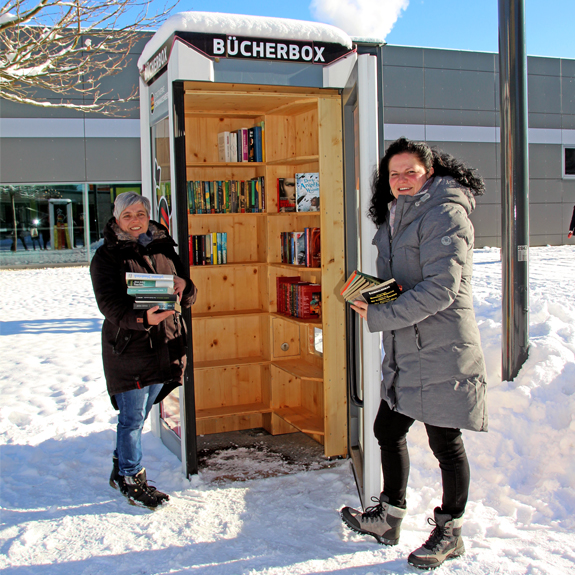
x,y
234,110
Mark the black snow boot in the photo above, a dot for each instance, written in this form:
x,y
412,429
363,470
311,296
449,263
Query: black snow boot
x,y
382,521
138,492
115,478
445,542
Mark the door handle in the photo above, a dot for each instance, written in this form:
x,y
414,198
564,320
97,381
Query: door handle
x,y
351,358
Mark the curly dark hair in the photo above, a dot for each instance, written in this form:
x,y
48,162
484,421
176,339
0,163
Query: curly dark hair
x,y
443,164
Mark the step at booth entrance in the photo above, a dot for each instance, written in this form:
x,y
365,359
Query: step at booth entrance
x,y
237,114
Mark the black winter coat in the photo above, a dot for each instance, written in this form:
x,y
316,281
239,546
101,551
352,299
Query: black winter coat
x,y
136,355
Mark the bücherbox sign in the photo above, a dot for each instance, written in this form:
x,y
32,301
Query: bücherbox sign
x,y
244,47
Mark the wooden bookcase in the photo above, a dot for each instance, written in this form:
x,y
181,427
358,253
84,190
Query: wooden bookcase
x,y
244,375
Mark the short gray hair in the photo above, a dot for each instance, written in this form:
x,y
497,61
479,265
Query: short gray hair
x,y
127,199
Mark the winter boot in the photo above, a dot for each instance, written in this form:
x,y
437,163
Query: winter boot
x,y
445,542
382,521
115,478
138,492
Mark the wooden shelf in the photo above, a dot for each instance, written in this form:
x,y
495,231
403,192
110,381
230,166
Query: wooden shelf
x,y
227,410
224,164
228,214
302,419
297,320
300,369
232,362
227,314
287,214
228,265
293,161
294,267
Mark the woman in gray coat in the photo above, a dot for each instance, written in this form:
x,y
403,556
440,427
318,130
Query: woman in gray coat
x,y
433,370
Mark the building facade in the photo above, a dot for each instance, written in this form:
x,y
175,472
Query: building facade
x,y
451,100
60,171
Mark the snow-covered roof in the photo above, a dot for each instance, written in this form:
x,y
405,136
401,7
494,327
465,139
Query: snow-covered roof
x,y
243,25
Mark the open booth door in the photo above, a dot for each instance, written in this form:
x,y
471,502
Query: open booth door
x,y
361,156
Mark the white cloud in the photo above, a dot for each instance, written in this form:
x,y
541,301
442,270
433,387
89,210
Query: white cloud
x,y
367,18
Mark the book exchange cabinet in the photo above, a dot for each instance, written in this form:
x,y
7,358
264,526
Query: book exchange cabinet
x,y
251,363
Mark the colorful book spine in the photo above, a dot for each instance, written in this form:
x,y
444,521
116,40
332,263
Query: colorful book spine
x,y
141,276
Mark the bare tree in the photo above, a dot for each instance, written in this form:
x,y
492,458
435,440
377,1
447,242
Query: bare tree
x,y
68,47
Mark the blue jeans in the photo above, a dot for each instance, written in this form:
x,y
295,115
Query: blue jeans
x,y
134,406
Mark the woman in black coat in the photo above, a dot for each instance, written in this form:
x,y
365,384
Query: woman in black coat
x,y
144,351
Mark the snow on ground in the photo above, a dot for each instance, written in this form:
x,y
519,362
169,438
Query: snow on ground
x,y
57,428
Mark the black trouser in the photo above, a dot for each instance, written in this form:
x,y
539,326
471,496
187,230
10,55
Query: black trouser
x,y
391,429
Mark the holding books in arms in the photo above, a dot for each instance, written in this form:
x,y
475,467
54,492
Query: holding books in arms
x,y
143,346
433,369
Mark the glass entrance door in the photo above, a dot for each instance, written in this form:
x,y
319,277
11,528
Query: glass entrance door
x,y
361,151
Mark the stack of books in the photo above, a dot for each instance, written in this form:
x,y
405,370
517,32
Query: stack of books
x,y
243,145
301,248
208,249
227,196
151,290
297,298
369,289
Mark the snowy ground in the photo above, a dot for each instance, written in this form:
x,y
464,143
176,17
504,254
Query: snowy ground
x,y
59,516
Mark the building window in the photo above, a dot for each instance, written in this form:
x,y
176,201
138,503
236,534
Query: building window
x,y
42,224
569,162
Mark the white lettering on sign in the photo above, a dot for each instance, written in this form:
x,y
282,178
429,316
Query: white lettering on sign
x,y
258,49
243,48
155,64
307,53
219,47
234,46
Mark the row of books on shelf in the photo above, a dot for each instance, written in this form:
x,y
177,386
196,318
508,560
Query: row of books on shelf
x,y
208,249
243,145
151,290
301,248
299,194
298,299
226,196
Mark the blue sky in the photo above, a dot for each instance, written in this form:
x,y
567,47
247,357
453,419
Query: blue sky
x,y
456,24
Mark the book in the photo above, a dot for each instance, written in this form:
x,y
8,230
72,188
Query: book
x,y
382,293
369,289
139,276
314,248
163,305
308,300
150,283
286,195
233,146
281,291
263,127
299,256
251,145
158,297
258,143
150,290
245,147
307,192
224,146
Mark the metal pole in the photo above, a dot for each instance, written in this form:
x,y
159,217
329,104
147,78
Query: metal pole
x,y
514,187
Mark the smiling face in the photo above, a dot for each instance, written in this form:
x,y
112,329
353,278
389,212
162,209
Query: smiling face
x,y
134,220
407,174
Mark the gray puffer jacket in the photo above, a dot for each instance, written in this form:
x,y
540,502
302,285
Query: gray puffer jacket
x,y
433,369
